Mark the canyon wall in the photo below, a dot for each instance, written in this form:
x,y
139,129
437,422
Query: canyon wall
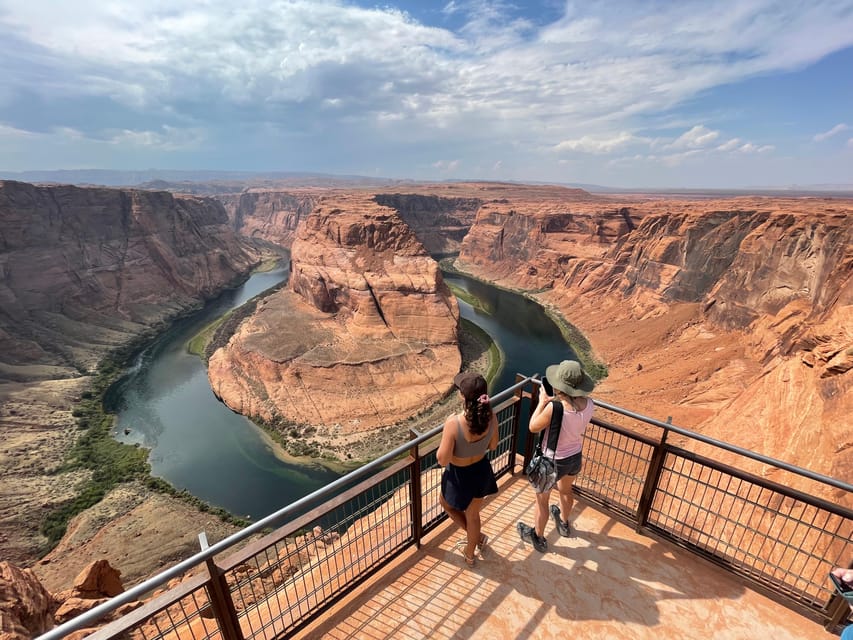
x,y
440,223
365,337
269,215
83,270
735,317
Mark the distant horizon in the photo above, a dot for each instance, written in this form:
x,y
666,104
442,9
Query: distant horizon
x,y
136,177
699,94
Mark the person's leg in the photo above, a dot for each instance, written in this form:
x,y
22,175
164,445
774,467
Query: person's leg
x,y
541,512
455,514
567,499
472,517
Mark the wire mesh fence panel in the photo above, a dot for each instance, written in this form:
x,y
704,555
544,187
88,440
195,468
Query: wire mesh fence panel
x,y
184,613
775,537
614,469
286,583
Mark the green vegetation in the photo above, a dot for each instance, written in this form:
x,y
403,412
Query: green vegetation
x,y
198,343
474,301
109,461
496,356
579,343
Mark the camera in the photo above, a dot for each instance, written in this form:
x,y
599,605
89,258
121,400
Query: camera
x,y
546,386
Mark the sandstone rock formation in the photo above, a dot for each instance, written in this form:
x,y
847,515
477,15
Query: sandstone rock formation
x,y
26,607
269,215
742,309
82,272
365,337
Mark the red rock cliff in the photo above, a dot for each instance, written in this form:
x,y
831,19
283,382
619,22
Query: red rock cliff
x,y
756,296
85,269
365,337
267,214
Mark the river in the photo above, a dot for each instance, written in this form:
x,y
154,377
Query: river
x,y
165,403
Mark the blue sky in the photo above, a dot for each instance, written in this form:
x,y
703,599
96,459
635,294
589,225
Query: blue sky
x,y
631,94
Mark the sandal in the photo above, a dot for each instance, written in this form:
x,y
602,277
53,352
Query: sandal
x,y
469,561
481,545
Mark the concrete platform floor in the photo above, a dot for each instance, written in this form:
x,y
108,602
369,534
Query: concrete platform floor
x,y
605,582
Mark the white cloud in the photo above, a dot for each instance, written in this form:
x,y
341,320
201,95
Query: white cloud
x,y
446,165
820,137
14,132
731,145
589,144
698,136
321,69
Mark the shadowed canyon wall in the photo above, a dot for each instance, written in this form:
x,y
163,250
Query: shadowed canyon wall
x,y
365,337
269,215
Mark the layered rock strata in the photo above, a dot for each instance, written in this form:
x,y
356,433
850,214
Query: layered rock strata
x,y
83,270
269,215
735,317
366,335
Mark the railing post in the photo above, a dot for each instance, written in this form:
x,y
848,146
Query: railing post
x,y
417,496
652,478
534,399
516,423
222,604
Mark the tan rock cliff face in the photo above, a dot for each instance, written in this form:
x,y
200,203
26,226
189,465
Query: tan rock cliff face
x,y
269,215
85,269
734,316
365,337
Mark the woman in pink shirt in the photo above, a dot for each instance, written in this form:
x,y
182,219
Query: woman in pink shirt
x,y
571,386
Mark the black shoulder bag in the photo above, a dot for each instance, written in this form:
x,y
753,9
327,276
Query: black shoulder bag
x,y
542,471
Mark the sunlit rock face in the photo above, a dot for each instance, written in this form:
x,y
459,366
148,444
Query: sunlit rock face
x,y
83,270
269,215
366,335
762,351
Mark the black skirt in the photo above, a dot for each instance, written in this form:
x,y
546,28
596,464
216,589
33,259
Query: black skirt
x,y
460,485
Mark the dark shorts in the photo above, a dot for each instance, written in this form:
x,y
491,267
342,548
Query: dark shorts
x,y
460,485
570,466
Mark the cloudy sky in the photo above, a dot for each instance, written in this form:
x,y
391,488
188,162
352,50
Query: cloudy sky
x,y
635,94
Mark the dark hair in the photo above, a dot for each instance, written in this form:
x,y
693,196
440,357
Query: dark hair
x,y
478,414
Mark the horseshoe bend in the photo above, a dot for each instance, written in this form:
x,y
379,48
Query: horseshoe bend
x,y
731,315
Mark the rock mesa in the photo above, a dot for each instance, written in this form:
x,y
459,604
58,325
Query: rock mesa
x,y
366,335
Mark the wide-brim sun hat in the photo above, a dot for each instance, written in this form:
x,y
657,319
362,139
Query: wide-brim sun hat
x,y
570,378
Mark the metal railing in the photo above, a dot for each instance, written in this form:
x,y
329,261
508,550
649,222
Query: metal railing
x,y
781,539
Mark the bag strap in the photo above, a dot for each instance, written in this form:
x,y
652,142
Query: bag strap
x,y
553,428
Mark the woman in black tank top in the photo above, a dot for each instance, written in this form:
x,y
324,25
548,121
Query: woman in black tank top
x,y
468,477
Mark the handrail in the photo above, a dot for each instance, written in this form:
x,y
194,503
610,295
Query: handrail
x,y
324,494
728,447
134,593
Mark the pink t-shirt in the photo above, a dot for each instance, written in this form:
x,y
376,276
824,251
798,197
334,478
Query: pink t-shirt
x,y
574,424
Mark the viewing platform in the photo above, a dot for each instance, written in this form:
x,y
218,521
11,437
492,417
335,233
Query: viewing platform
x,y
675,535
606,581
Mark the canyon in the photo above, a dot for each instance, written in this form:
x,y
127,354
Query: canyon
x,y
732,316
365,336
